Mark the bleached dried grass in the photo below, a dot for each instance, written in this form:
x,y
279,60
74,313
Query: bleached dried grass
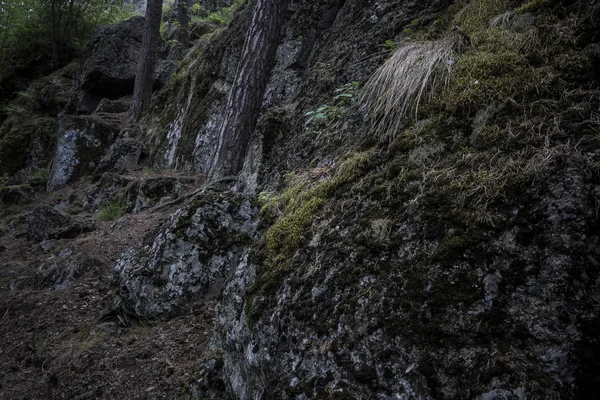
x,y
413,72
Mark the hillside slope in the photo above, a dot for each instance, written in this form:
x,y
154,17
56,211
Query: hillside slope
x,y
417,216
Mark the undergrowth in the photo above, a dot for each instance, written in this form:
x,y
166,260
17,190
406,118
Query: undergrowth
x,y
112,211
474,120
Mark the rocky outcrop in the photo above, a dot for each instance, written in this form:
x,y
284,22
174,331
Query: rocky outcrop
x,y
454,315
105,190
44,221
122,155
139,192
147,192
27,135
82,140
190,258
110,68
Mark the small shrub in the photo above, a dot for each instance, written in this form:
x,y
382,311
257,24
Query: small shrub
x,y
328,116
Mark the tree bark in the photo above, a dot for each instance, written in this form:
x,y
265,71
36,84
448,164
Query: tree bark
x,y
182,16
246,95
144,80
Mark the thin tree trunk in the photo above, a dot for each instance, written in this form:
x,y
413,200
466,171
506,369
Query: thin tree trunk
x,y
56,14
183,21
246,95
6,24
144,80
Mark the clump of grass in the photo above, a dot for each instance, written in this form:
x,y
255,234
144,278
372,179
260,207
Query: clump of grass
x,y
413,72
113,210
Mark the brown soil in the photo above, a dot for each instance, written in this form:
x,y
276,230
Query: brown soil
x,y
59,344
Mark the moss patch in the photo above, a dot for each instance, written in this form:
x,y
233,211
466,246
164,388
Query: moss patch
x,y
297,207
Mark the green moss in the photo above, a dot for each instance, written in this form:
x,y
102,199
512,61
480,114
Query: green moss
x,y
477,14
305,195
487,77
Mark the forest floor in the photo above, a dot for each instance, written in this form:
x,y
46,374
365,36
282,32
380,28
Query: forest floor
x,y
62,343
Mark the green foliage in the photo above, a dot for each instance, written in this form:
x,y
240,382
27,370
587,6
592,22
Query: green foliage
x,y
220,17
307,192
390,45
331,116
478,14
34,33
410,28
113,210
531,6
267,200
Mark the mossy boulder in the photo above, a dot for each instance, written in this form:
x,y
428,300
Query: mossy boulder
x,y
25,144
190,257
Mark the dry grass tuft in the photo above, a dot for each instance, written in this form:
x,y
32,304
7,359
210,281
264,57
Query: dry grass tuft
x,y
414,71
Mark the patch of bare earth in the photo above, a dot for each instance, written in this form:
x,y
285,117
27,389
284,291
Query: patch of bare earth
x,y
55,343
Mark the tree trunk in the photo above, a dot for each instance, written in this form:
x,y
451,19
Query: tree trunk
x,y
246,95
183,21
144,80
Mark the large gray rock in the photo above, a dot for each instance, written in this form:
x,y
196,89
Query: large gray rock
x,y
43,221
190,258
123,155
109,70
82,140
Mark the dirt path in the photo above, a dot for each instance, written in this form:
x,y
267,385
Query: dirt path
x,y
55,345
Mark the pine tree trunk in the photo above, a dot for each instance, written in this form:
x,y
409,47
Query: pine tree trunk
x,y
246,95
144,80
183,21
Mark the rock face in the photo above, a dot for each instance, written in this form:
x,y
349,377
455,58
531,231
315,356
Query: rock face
x,y
43,221
375,316
47,222
190,258
387,296
123,155
82,140
27,136
109,70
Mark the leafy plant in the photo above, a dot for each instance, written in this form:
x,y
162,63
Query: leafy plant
x,y
412,26
330,115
